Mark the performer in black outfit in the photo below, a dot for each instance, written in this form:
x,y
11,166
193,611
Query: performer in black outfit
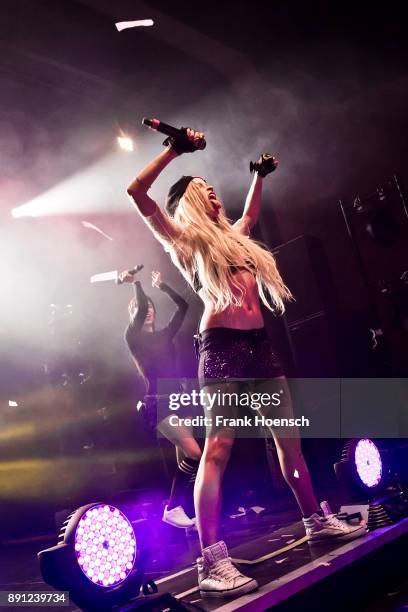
x,y
154,354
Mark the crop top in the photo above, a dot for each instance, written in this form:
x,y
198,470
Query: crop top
x,y
197,285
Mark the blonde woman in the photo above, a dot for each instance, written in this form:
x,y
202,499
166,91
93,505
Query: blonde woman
x,y
232,274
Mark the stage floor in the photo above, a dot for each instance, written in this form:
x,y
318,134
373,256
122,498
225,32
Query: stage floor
x,y
284,564
271,547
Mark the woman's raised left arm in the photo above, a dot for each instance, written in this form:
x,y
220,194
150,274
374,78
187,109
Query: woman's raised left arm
x,y
266,164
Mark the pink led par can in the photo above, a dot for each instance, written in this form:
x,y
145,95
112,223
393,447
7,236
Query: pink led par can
x,y
105,545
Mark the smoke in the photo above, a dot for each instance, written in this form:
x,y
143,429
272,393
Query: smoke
x,y
321,143
333,133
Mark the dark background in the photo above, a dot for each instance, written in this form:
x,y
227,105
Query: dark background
x,y
321,85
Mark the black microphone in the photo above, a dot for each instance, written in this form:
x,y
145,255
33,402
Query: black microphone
x,y
132,272
168,130
136,269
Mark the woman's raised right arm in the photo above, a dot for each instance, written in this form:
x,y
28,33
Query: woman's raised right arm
x,y
160,223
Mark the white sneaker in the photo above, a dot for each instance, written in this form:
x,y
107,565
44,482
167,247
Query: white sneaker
x,y
327,527
177,518
220,578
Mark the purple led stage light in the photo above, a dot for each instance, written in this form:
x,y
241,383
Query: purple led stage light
x,y
368,463
105,545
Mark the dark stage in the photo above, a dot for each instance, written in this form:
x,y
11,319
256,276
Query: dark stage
x,y
365,574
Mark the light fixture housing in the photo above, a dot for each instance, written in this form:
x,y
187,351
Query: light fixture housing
x,y
363,467
96,559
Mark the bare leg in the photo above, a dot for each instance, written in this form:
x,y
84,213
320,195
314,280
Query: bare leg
x,y
207,490
288,446
296,474
182,439
188,455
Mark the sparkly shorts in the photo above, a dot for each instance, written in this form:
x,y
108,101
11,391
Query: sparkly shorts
x,y
226,353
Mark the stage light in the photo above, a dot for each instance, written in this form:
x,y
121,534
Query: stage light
x,y
362,466
96,559
368,463
377,477
105,545
12,403
89,191
17,212
125,143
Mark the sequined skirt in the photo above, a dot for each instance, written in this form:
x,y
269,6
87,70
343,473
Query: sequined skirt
x,y
226,353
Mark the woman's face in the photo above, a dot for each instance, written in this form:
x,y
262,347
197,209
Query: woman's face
x,y
149,320
150,315
214,205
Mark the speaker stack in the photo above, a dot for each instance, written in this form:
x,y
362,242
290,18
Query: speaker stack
x,y
308,319
377,225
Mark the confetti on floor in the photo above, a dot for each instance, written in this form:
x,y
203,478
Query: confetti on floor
x,y
257,509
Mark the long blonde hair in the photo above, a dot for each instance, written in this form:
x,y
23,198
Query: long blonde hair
x,y
210,247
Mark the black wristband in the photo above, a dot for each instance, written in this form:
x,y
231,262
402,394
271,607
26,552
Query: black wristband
x,y
265,165
181,144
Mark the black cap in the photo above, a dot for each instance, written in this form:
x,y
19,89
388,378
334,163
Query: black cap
x,y
176,191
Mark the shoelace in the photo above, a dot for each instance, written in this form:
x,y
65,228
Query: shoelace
x,y
335,522
225,570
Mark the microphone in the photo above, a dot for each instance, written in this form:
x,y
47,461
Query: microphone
x,y
136,269
132,272
168,130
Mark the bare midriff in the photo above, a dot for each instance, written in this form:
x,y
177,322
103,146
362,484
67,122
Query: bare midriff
x,y
247,316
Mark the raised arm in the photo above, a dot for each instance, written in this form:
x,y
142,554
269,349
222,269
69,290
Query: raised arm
x,y
142,306
162,226
178,317
160,223
136,323
252,207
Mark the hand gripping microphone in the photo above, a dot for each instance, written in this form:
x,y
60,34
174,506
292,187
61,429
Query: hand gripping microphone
x,y
266,164
169,130
136,269
132,272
